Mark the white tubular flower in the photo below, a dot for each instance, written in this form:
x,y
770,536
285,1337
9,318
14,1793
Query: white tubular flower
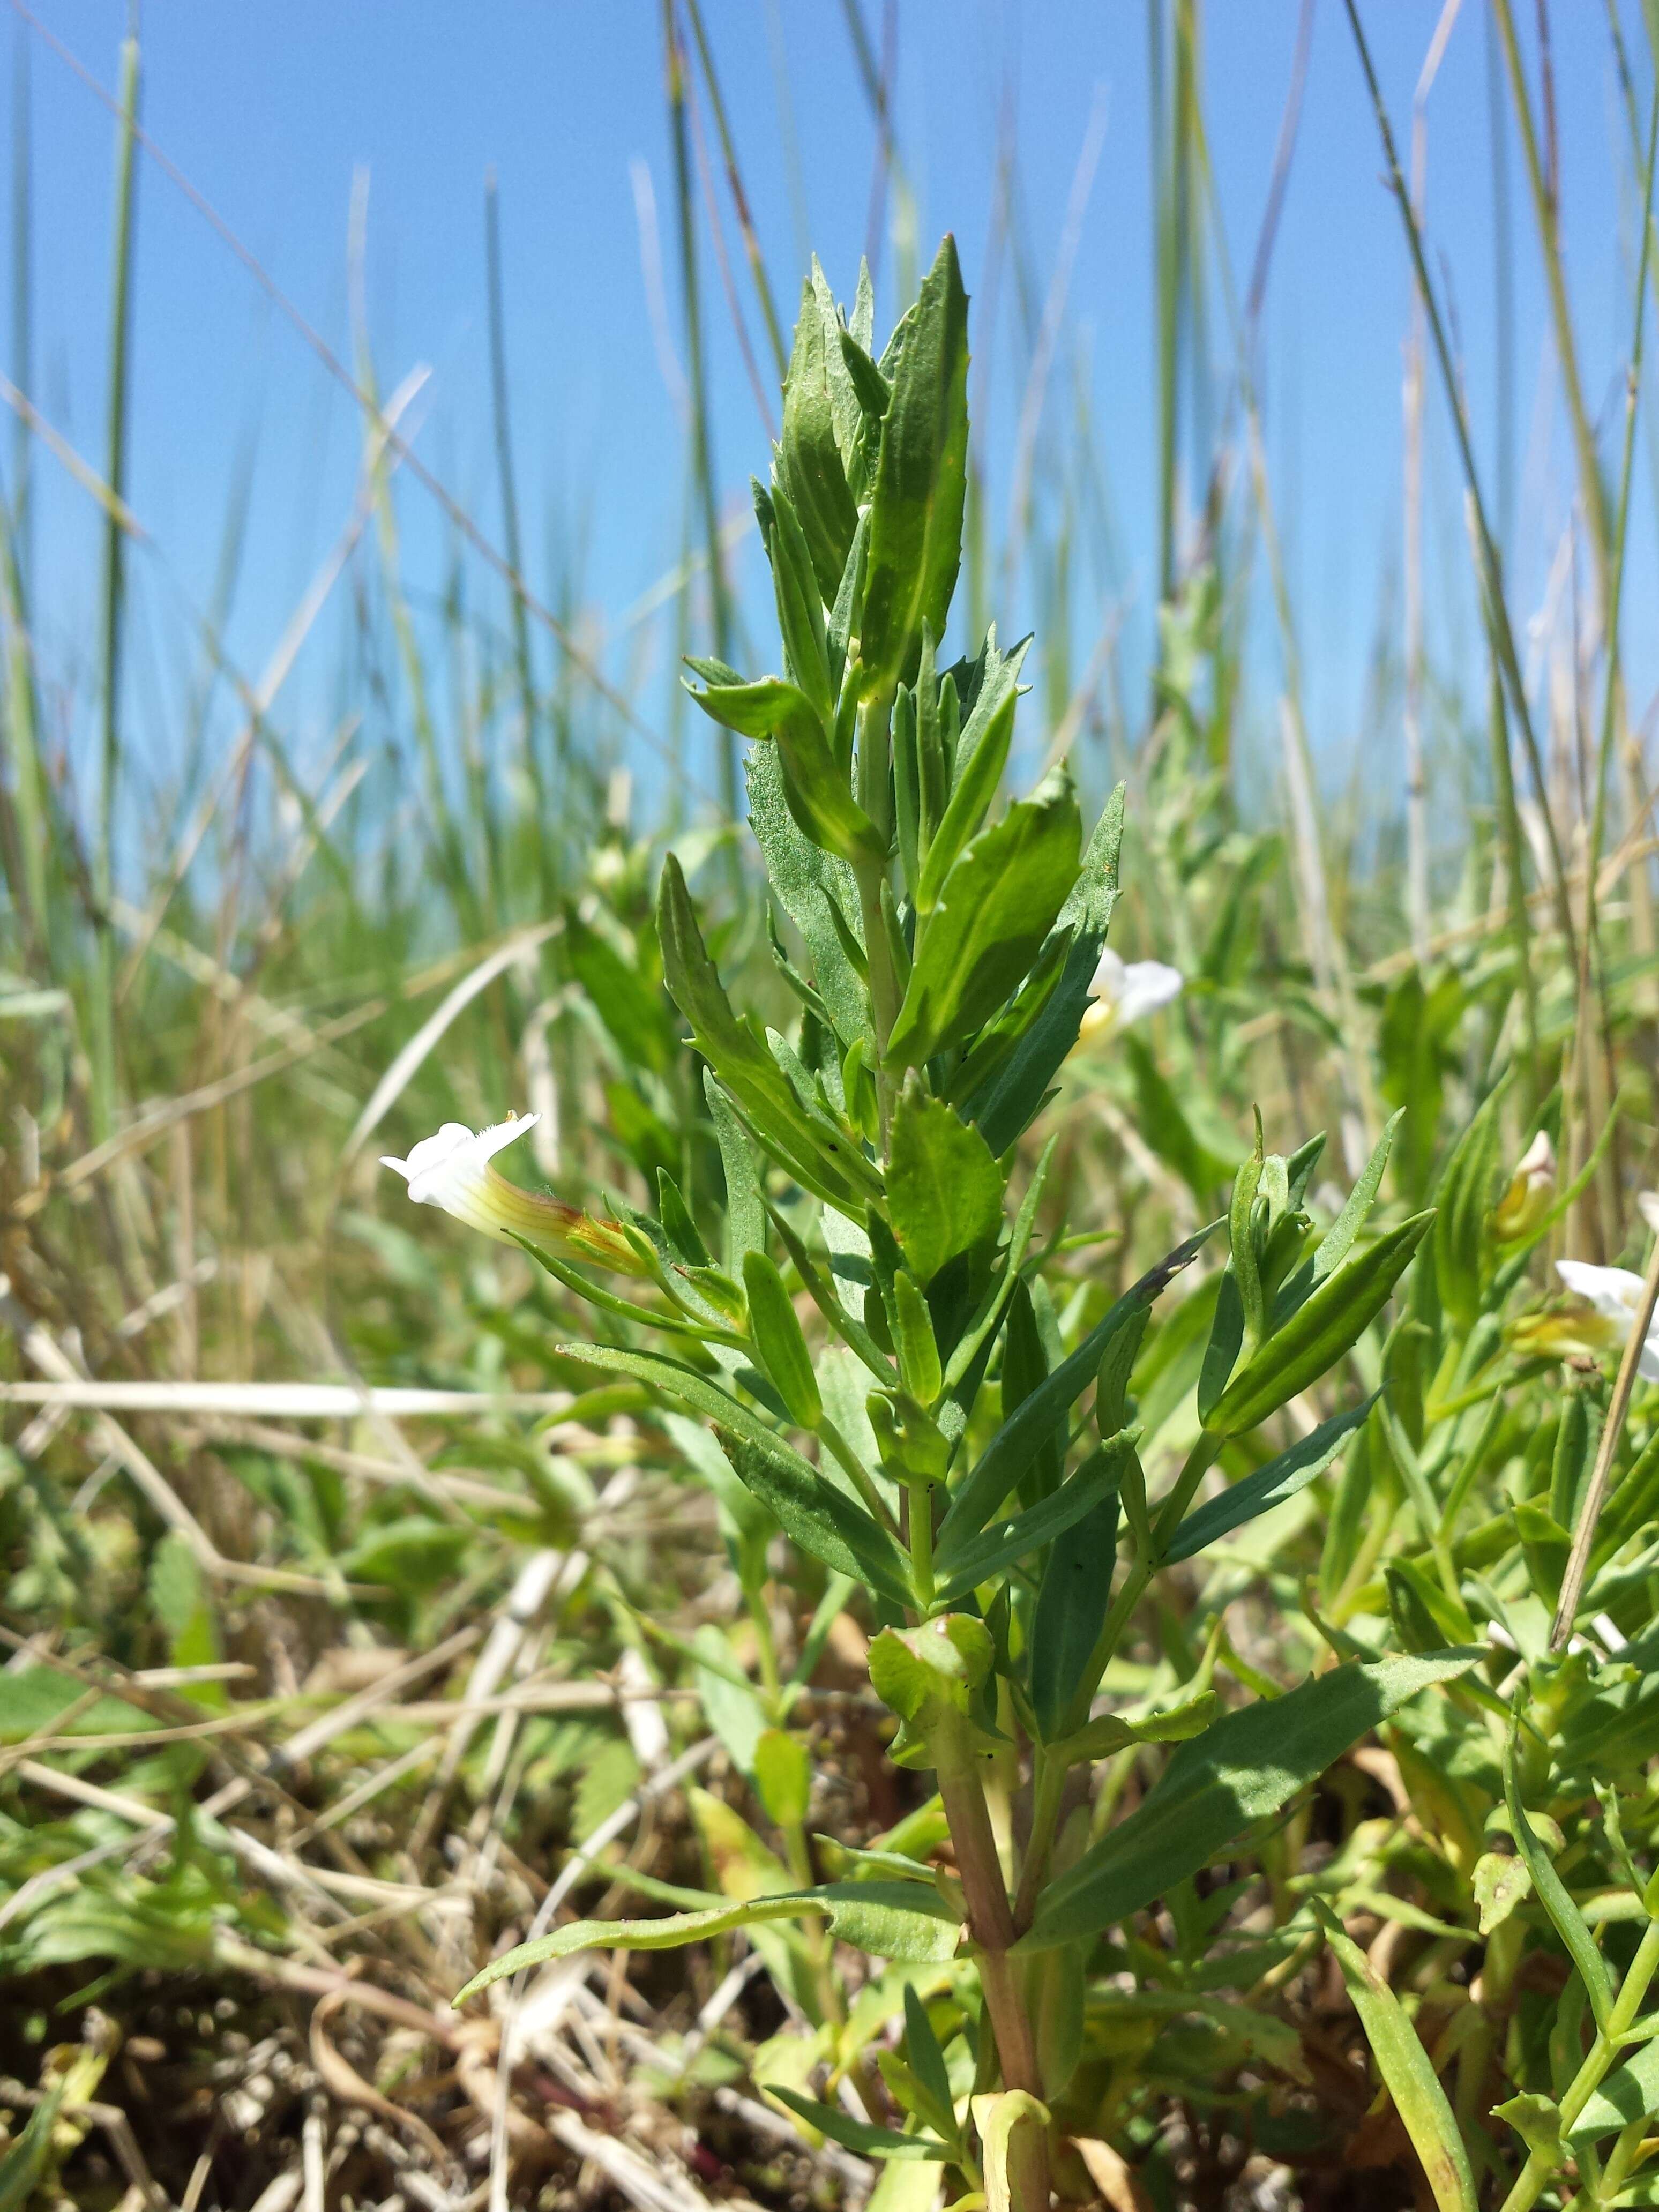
x,y
1126,990
453,1170
1614,1294
1529,1194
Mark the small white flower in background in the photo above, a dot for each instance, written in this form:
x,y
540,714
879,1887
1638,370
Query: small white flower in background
x,y
1126,990
453,1170
1614,1294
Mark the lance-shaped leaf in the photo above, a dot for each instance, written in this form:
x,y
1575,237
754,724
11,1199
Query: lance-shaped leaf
x,y
800,608
1338,1240
1243,1768
944,1189
811,456
963,1566
932,2076
1319,1332
980,756
899,1920
779,1339
1071,1610
921,480
1270,1486
1404,2067
1629,2093
815,786
861,2136
820,1156
813,1512
999,902
998,1469
1009,1098
1552,1894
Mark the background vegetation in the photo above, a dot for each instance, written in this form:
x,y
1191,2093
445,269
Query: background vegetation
x,y
352,1624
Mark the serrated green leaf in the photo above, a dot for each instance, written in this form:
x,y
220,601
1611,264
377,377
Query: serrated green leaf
x,y
944,1190
921,482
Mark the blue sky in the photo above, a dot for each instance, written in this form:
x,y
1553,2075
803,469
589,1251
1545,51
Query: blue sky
x,y
270,111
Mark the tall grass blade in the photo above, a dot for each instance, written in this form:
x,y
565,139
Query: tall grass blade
x,y
113,596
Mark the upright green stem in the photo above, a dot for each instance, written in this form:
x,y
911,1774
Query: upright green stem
x,y
1047,1786
874,742
922,1539
991,1923
1541,2165
1200,1460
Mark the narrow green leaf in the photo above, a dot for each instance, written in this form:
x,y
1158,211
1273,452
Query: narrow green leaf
x,y
998,1468
779,1340
861,2136
1338,1240
921,480
1320,1331
1631,2093
1270,1486
814,1513
1071,1610
1404,2067
668,1933
1569,1922
979,773
1005,1544
999,904
1010,1099
811,452
745,1215
933,2076
1245,1767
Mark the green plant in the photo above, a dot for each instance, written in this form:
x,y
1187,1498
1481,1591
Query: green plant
x,y
873,1176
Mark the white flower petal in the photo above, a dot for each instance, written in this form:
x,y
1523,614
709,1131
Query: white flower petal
x,y
1107,983
1612,1290
1146,985
1539,1159
450,1168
